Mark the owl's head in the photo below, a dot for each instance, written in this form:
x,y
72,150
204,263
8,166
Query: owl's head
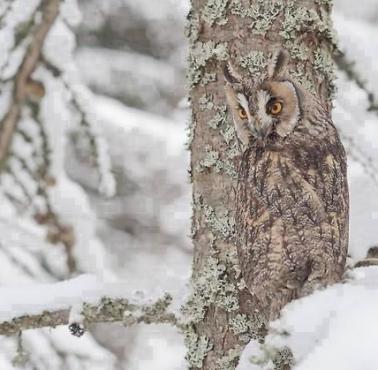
x,y
263,108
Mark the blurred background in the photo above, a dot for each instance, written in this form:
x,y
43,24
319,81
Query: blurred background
x,y
132,56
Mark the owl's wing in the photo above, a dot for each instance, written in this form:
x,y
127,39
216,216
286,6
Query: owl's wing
x,y
323,166
293,218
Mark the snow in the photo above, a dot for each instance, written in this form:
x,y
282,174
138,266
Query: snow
x,y
332,329
70,12
18,13
32,299
42,348
26,258
358,41
35,298
137,79
146,225
58,50
157,348
126,119
353,120
160,201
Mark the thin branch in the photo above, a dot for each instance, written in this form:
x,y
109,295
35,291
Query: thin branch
x,y
88,126
360,156
348,67
108,310
356,152
50,11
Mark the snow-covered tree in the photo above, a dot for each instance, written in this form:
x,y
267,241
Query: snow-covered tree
x,y
43,106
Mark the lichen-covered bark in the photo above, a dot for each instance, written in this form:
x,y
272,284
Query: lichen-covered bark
x,y
107,310
220,310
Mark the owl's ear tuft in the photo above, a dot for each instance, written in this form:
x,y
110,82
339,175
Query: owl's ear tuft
x,y
278,63
230,74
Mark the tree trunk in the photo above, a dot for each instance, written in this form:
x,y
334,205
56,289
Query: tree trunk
x,y
246,32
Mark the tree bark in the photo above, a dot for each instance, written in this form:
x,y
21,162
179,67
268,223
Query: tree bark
x,y
246,32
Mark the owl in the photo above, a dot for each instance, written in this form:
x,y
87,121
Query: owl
x,y
292,193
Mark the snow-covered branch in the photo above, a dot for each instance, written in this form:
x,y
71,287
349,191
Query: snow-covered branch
x,y
62,303
348,67
108,310
24,87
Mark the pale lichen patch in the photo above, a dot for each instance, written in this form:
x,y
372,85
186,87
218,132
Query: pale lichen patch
x,y
239,324
298,50
228,134
197,347
193,26
280,358
212,159
205,102
211,287
247,327
219,118
215,11
229,360
221,222
302,77
284,359
190,133
298,20
237,8
231,256
201,53
323,64
254,62
324,2
220,121
263,13
207,78
294,19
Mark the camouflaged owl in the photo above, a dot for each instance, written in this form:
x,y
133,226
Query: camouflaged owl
x,y
292,194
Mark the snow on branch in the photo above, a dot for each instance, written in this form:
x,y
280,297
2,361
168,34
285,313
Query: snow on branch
x,y
50,305
356,151
24,86
82,102
348,67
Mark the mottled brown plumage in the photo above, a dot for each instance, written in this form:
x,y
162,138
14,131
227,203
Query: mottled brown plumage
x,y
292,195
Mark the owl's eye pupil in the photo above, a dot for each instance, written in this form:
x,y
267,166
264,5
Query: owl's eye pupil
x,y
242,113
275,108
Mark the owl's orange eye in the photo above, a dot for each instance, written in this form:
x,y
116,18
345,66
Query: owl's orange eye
x,y
242,113
275,108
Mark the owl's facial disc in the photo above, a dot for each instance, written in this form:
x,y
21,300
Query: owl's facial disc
x,y
260,115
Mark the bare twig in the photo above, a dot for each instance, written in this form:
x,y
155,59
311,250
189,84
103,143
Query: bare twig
x,y
348,67
355,151
360,156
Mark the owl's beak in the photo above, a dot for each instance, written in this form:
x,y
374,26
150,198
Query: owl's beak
x,y
261,131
